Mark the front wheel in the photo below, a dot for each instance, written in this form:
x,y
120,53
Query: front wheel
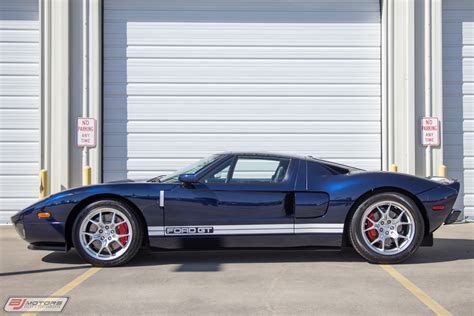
x,y
387,228
107,233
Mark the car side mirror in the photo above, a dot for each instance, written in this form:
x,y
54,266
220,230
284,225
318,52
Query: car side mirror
x,y
187,178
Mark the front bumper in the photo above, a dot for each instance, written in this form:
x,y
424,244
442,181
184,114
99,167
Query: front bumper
x,y
41,235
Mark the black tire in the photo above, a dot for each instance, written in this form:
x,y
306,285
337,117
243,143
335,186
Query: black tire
x,y
357,235
136,228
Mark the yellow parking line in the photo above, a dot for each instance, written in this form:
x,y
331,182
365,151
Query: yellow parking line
x,y
71,285
416,291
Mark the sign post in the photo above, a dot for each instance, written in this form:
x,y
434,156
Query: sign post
x,y
430,131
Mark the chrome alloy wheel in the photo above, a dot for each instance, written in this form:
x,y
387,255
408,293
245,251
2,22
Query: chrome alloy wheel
x,y
388,227
105,233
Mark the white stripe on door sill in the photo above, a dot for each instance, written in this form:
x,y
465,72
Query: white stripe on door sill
x,y
331,228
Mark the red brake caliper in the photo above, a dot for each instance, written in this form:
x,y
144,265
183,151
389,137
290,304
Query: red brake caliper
x,y
372,234
122,230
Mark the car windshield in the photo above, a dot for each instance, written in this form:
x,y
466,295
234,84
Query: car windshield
x,y
191,169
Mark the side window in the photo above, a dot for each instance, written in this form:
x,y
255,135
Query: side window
x,y
260,170
219,175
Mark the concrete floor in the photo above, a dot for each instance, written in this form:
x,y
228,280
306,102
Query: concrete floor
x,y
248,282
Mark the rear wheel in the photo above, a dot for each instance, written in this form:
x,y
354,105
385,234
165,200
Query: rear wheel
x,y
107,233
387,228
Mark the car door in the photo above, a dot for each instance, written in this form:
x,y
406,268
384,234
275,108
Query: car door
x,y
244,195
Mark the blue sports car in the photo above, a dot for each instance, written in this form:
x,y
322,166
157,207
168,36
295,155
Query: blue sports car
x,y
235,200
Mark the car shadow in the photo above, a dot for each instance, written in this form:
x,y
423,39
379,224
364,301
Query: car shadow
x,y
444,250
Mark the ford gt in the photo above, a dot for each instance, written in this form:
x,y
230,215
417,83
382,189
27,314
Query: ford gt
x,y
242,200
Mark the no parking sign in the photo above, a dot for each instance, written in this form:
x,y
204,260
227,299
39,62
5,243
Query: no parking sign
x,y
430,131
86,130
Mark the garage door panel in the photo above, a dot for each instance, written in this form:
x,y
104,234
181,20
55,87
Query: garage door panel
x,y
259,52
469,182
284,90
25,36
469,200
166,108
468,51
232,127
336,146
19,86
19,119
224,89
226,15
19,152
18,52
10,207
19,69
279,72
119,40
158,109
24,135
181,83
18,102
250,5
468,126
244,34
154,130
18,186
18,168
243,70
469,162
468,140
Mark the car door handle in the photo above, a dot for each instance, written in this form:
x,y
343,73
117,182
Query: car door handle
x,y
162,198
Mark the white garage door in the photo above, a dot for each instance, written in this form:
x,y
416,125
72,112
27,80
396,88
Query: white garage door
x,y
19,105
184,79
458,76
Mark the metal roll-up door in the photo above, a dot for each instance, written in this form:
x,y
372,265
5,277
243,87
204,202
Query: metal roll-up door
x,y
184,79
19,105
458,97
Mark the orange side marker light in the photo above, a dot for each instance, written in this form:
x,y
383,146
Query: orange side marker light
x,y
44,215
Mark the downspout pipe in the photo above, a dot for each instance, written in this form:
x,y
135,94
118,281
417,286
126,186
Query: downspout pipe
x,y
85,86
428,81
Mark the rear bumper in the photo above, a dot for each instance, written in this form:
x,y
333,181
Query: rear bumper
x,y
452,217
438,203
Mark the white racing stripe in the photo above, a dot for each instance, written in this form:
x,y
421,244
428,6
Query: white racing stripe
x,y
156,230
319,228
255,229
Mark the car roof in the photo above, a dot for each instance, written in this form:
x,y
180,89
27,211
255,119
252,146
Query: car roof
x,y
265,154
